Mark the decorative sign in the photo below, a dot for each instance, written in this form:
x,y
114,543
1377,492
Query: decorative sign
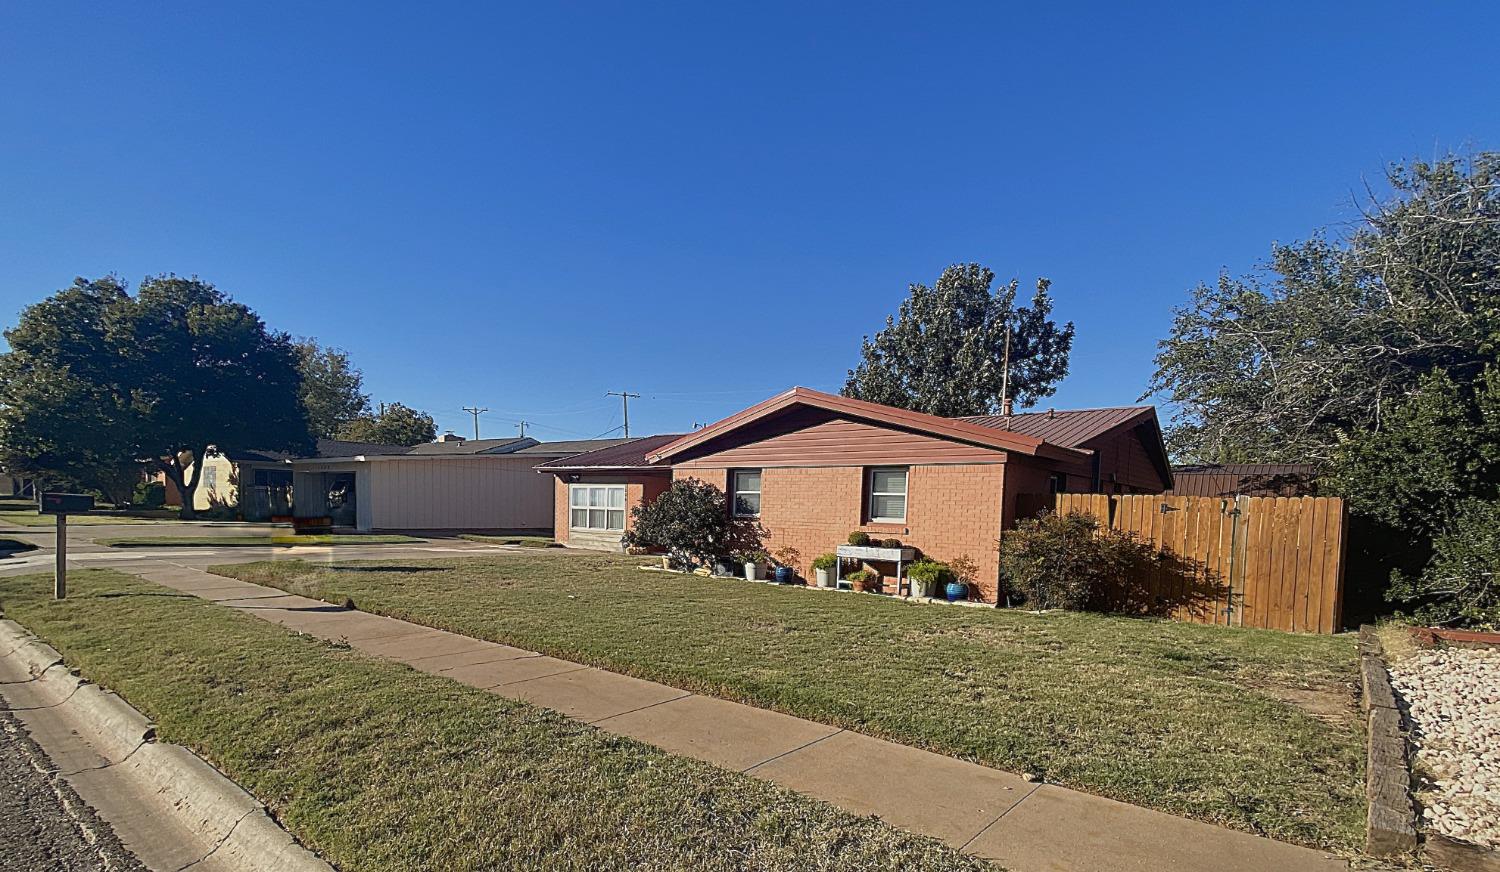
x,y
65,504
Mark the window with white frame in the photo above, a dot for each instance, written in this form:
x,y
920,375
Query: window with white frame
x,y
210,477
887,488
744,494
596,507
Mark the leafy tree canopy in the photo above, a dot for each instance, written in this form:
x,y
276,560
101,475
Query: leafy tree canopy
x,y
944,352
332,388
1330,336
392,424
95,377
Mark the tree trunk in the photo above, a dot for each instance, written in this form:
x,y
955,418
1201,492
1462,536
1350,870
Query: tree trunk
x,y
186,487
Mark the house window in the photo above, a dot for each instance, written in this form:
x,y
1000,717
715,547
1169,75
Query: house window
x,y
887,488
745,492
210,477
1057,483
596,507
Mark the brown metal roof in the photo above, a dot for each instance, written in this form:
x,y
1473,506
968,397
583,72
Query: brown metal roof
x,y
570,447
948,428
1070,429
631,454
1245,479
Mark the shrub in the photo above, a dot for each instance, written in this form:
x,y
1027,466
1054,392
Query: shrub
x,y
890,543
1461,584
825,562
1068,561
964,569
930,573
859,539
789,557
151,494
690,522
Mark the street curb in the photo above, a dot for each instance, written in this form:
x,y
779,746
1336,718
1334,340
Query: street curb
x,y
1390,824
174,779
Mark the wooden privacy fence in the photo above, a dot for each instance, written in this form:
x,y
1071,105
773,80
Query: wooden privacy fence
x,y
1270,562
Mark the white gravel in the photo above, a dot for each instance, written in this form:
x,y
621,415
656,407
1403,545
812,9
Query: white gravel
x,y
1453,699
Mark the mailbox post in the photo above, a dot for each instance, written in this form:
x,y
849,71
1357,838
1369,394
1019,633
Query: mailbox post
x,y
61,505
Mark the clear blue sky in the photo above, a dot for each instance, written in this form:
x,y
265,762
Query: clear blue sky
x,y
525,206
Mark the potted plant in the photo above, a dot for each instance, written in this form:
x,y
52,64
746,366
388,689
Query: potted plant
x,y
926,575
859,540
787,561
956,590
823,567
753,561
890,543
961,572
866,580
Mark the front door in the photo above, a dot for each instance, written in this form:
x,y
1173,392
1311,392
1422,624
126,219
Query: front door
x,y
342,499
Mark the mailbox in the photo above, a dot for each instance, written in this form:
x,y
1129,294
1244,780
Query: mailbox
x,y
65,504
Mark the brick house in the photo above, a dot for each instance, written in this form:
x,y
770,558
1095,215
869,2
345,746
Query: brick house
x,y
814,467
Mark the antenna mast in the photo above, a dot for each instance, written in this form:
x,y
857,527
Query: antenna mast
x,y
1005,406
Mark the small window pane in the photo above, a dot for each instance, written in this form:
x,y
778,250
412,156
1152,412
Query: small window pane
x,y
596,496
747,504
578,496
888,507
888,481
596,519
747,480
580,518
616,519
617,498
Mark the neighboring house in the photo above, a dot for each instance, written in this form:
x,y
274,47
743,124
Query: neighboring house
x,y
259,483
814,466
456,484
16,486
1245,479
596,491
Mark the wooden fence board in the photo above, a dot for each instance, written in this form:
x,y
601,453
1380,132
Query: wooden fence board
x,y
1271,562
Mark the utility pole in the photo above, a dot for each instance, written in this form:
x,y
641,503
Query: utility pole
x,y
476,412
625,397
521,425
1005,405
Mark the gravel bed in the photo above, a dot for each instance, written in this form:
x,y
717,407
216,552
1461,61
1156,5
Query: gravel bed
x,y
44,826
1452,698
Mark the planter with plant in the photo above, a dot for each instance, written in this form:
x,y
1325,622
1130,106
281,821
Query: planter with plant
x,y
823,567
859,540
754,562
926,575
866,580
890,543
788,562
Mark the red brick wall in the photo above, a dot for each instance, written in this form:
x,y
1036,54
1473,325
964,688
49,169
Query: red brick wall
x,y
951,510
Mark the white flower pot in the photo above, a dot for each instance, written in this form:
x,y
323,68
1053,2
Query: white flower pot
x,y
752,572
825,578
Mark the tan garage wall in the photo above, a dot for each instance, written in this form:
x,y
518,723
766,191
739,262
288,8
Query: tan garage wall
x,y
480,493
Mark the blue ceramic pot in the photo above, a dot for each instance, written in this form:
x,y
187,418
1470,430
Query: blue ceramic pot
x,y
956,591
785,575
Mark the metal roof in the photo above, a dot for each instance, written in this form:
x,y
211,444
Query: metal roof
x,y
326,448
571,447
1245,479
1070,429
472,446
629,454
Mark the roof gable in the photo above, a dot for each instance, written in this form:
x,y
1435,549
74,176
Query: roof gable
x,y
1071,428
889,416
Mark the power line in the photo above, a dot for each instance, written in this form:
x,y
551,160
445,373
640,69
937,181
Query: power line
x,y
521,425
476,412
625,397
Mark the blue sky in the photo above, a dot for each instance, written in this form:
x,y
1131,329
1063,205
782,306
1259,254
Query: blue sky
x,y
523,206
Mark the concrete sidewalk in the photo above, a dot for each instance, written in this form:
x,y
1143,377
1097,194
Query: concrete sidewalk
x,y
1023,826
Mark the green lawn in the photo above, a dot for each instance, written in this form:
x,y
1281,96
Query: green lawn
x,y
1247,728
278,539
526,541
23,513
379,767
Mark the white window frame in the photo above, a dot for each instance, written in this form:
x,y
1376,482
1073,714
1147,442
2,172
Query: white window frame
x,y
210,477
588,509
871,494
734,493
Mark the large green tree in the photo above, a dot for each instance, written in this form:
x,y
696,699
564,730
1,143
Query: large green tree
x,y
391,424
1370,352
95,374
1333,333
332,388
943,353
